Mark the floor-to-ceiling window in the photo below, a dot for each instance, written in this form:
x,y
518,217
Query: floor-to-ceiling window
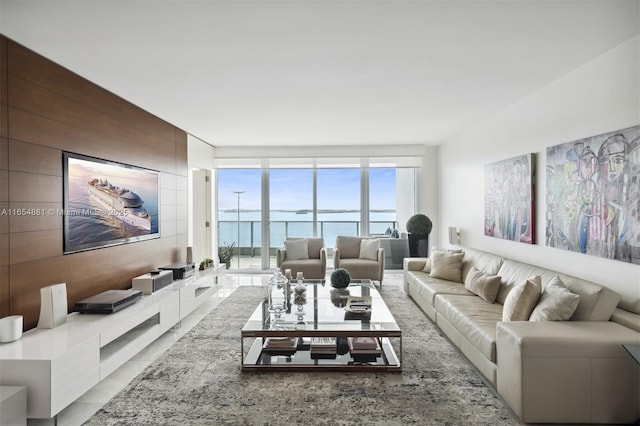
x,y
338,204
291,204
382,200
304,202
239,196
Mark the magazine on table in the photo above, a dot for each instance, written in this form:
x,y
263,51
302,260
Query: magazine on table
x,y
358,304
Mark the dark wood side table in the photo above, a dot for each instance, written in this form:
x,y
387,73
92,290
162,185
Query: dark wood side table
x,y
633,349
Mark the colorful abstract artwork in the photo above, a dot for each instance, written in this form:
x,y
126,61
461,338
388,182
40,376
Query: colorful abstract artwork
x,y
509,199
593,195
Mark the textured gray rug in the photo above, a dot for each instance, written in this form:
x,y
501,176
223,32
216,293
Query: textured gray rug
x,y
198,382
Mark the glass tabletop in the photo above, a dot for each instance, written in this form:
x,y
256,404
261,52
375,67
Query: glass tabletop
x,y
321,308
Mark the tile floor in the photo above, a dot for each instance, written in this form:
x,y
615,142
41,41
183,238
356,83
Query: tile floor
x,y
83,408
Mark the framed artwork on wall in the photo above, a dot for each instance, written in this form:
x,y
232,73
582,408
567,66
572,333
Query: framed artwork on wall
x,y
509,199
593,195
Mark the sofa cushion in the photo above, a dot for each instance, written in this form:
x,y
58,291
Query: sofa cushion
x,y
473,318
310,268
315,247
597,303
349,246
512,273
628,319
427,266
447,266
483,285
488,263
296,249
424,286
521,300
361,268
369,248
557,302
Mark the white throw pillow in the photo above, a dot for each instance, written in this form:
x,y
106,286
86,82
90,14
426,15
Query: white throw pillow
x,y
483,285
557,302
427,266
296,249
447,266
521,300
369,248
434,249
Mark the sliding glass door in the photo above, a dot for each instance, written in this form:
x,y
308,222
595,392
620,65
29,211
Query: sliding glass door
x,y
338,204
382,200
291,204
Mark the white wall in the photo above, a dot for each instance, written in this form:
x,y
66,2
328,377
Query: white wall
x,y
601,96
200,156
429,194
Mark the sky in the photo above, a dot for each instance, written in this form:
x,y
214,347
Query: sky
x,y
292,189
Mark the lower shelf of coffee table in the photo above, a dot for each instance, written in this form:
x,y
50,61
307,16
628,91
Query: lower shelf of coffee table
x,y
301,359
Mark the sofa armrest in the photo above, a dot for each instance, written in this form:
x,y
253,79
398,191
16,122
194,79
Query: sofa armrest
x,y
280,256
323,258
381,263
414,263
336,258
568,371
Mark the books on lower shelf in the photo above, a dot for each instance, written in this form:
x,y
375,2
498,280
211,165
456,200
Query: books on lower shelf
x,y
325,345
280,344
364,346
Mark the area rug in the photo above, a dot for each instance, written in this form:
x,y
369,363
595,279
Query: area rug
x,y
198,381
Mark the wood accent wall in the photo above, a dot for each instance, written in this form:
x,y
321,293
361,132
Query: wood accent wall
x,y
46,109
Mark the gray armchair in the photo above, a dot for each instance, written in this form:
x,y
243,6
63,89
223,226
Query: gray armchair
x,y
313,265
365,264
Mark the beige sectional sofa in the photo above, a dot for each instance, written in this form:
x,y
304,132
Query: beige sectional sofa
x,y
573,371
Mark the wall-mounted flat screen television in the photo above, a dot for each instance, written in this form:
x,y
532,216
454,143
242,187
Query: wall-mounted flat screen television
x,y
107,203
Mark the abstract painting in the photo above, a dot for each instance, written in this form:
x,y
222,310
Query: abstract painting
x,y
593,195
509,199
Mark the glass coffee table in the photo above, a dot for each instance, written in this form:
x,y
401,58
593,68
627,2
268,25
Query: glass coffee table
x,y
326,330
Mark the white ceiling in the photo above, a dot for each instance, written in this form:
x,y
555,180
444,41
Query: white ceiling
x,y
265,73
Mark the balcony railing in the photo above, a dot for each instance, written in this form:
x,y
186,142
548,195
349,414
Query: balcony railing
x,y
251,232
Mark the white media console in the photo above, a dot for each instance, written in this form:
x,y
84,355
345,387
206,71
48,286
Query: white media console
x,y
59,365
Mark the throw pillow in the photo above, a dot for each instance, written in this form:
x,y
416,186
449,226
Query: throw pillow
x,y
557,302
369,248
296,249
434,249
483,285
521,300
427,266
447,265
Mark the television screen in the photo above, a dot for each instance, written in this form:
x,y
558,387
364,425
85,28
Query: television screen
x,y
107,203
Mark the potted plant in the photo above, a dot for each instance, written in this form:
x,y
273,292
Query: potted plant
x,y
226,253
419,227
340,278
206,263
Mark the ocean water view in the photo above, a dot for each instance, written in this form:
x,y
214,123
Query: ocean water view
x,y
288,223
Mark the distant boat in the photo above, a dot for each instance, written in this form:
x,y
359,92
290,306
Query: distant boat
x,y
120,203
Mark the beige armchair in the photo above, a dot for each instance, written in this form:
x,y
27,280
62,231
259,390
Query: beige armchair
x,y
306,255
361,256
